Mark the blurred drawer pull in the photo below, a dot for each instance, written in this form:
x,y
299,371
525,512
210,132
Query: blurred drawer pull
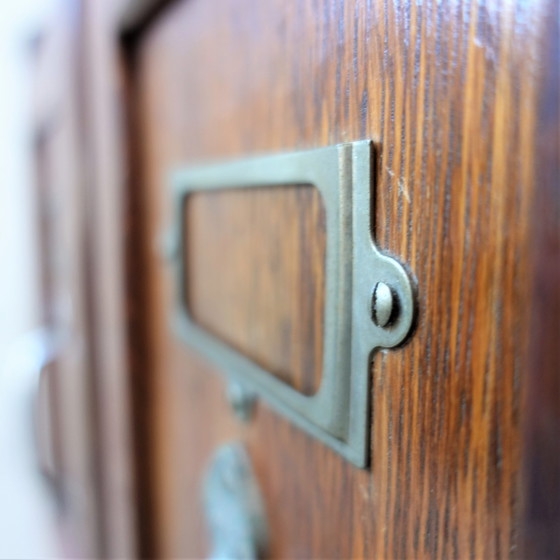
x,y
369,297
234,506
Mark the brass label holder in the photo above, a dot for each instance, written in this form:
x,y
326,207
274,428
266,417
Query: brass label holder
x,y
369,296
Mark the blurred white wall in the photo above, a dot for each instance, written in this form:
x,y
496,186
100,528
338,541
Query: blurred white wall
x,y
27,517
19,20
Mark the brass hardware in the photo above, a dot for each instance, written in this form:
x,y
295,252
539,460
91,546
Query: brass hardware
x,y
384,305
338,414
234,506
242,400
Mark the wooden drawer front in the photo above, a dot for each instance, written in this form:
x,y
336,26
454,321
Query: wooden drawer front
x,y
449,94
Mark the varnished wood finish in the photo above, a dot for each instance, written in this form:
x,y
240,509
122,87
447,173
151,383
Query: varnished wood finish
x,y
450,91
274,317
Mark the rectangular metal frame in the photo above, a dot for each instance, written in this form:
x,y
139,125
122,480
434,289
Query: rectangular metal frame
x,y
338,414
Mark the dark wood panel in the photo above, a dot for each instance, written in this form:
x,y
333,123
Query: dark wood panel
x,y
274,317
541,449
450,92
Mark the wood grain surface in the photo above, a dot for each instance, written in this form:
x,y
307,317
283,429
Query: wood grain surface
x,y
450,93
274,317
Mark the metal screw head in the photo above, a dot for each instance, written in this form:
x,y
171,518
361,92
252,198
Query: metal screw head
x,y
242,400
384,305
168,246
